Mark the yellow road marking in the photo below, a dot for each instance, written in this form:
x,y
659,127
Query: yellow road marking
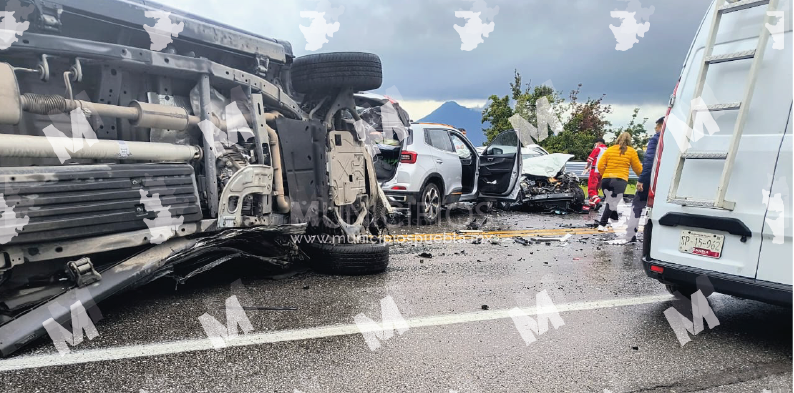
x,y
471,235
449,236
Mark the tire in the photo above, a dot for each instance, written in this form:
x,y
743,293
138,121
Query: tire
x,y
687,291
347,259
428,207
328,71
578,199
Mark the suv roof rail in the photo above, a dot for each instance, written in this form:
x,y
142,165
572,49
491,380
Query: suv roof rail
x,y
436,124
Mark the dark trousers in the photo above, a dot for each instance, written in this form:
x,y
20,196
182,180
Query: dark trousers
x,y
637,206
613,194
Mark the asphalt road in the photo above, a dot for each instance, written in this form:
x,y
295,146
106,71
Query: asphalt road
x,y
458,333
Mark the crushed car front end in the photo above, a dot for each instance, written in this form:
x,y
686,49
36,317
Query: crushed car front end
x,y
545,186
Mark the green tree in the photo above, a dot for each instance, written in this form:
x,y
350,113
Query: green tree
x,y
498,112
582,121
639,136
526,100
586,122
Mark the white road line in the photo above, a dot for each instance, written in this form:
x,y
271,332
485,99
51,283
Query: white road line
x,y
168,348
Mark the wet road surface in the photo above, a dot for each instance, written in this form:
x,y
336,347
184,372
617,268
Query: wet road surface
x,y
458,334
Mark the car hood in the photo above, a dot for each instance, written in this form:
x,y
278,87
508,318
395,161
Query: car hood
x,y
546,166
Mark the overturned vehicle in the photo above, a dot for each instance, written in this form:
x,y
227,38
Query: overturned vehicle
x,y
130,153
545,186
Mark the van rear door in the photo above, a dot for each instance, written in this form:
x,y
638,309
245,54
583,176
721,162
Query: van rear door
x,y
756,159
775,262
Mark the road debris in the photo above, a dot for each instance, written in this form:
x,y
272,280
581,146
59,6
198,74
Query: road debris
x,y
520,240
552,239
473,225
258,308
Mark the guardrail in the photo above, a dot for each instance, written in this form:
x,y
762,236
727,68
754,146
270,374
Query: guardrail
x,y
578,166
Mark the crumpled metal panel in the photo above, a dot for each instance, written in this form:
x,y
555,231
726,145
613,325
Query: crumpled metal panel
x,y
545,166
348,168
195,28
179,258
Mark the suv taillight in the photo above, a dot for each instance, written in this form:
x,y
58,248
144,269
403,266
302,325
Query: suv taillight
x,y
660,148
408,157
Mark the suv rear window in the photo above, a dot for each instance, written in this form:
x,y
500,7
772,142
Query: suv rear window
x,y
439,139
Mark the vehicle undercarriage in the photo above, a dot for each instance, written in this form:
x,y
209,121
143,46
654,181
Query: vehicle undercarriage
x,y
120,164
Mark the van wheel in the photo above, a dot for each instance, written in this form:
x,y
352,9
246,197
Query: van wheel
x,y
328,71
686,290
428,207
347,259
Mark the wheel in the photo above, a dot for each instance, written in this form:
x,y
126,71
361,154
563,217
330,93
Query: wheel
x,y
347,259
327,71
686,290
428,206
578,199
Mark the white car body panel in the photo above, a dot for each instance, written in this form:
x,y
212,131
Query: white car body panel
x,y
763,162
548,165
429,161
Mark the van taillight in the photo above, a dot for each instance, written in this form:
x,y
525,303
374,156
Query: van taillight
x,y
660,148
408,157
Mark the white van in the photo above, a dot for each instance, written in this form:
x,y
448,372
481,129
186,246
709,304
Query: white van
x,y
721,205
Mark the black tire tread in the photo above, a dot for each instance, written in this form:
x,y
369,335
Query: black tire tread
x,y
686,291
347,259
579,198
324,71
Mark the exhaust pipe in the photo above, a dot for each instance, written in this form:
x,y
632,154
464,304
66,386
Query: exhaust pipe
x,y
282,204
139,114
27,146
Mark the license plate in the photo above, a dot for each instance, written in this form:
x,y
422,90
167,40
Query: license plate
x,y
700,243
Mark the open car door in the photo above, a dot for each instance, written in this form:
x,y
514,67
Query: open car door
x,y
500,168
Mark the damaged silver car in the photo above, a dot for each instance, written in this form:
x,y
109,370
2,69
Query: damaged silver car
x,y
545,186
126,156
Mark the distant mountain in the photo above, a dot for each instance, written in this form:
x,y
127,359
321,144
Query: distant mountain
x,y
459,116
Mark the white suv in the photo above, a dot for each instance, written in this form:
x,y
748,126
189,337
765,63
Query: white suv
x,y
437,166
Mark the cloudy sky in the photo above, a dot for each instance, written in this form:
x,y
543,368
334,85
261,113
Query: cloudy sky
x,y
566,42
